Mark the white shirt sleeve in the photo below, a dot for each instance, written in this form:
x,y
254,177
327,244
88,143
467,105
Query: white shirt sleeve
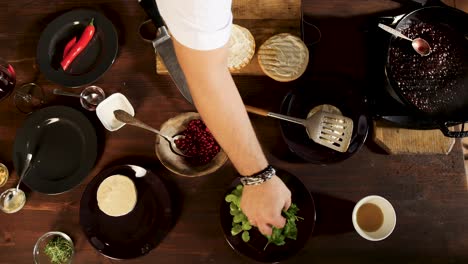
x,y
198,24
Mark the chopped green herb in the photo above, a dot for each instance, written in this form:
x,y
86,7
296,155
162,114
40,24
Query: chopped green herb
x,y
59,250
240,223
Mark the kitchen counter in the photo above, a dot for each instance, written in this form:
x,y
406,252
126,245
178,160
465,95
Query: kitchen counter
x,y
428,192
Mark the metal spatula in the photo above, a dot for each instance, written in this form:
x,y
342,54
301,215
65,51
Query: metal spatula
x,y
329,130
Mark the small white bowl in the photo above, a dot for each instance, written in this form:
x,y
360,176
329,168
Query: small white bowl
x,y
389,218
105,111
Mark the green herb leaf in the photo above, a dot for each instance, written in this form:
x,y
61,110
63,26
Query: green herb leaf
x,y
236,230
238,218
246,225
245,236
233,207
234,212
237,192
230,198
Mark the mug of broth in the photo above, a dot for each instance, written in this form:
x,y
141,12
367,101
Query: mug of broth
x,y
374,218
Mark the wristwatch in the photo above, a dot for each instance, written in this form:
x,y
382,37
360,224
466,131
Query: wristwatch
x,y
260,177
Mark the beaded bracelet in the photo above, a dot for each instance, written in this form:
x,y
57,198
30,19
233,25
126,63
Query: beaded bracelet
x,y
259,177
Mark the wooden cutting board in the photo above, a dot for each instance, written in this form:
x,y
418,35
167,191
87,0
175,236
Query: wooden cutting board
x,y
264,18
407,141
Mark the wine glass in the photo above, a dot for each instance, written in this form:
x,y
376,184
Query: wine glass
x,y
29,97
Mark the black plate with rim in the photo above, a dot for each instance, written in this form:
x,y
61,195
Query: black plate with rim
x,y
93,61
254,248
64,147
137,233
338,91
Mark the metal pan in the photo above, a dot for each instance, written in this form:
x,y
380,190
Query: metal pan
x,y
433,86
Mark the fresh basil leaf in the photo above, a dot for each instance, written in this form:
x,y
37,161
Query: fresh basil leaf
x,y
230,198
236,230
246,225
245,236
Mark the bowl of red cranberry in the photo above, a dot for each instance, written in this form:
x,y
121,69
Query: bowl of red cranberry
x,y
205,154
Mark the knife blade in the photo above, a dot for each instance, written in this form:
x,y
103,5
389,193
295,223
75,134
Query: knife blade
x,y
164,46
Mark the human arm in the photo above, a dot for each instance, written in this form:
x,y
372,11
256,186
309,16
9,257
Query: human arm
x,y
220,105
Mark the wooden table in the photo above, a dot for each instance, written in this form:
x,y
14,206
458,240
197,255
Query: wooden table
x,y
429,193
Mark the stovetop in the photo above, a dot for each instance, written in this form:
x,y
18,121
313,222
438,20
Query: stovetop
x,y
383,102
357,47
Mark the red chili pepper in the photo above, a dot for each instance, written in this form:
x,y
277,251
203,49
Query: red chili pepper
x,y
79,46
68,47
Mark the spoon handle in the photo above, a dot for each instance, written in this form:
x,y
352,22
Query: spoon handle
x,y
60,92
393,31
25,169
130,120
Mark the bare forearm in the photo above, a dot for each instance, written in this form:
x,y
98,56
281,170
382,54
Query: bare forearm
x,y
220,105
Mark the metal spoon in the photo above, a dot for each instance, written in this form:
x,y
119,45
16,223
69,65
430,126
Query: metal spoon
x,y
126,118
419,45
12,194
93,98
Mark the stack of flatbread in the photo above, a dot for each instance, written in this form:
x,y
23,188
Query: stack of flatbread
x,y
283,57
116,195
241,48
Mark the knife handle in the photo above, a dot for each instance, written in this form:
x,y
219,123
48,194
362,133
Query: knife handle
x,y
151,9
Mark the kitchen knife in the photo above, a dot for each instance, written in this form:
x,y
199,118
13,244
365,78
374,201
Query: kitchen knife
x,y
164,47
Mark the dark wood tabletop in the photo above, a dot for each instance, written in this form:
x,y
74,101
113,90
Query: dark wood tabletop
x,y
428,192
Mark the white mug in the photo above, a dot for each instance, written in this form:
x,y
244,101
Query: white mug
x,y
389,218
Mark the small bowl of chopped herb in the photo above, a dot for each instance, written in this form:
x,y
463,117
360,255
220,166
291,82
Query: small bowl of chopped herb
x,y
53,248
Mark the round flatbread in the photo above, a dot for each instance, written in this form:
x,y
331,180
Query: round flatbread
x,y
116,195
283,57
241,48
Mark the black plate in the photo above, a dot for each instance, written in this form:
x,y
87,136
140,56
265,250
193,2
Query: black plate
x,y
136,233
64,147
337,91
93,61
254,248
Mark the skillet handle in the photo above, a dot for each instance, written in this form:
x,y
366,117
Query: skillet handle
x,y
453,134
422,2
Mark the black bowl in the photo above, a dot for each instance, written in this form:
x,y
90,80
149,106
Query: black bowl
x,y
92,62
340,92
254,249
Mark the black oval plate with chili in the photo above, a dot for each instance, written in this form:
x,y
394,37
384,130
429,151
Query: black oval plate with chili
x,y
90,64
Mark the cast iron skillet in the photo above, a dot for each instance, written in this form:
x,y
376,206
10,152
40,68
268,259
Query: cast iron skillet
x,y
337,90
453,109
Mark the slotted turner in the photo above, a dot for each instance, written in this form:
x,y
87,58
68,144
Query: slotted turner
x,y
329,130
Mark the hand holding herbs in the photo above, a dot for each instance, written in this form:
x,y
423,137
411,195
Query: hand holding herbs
x,y
240,223
59,250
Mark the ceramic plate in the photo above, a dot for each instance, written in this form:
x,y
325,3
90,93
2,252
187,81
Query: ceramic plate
x,y
136,233
91,63
63,143
254,249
